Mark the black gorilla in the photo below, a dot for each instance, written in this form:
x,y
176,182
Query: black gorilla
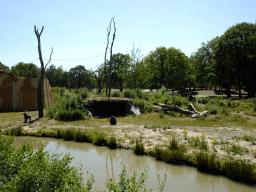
x,y
26,117
191,98
113,120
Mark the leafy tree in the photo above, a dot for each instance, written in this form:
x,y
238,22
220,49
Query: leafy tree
x,y
25,70
135,69
204,61
4,67
156,65
233,48
99,78
54,75
120,65
66,80
81,77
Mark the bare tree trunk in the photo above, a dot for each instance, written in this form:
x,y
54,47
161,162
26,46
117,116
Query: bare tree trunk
x,y
105,71
110,62
40,82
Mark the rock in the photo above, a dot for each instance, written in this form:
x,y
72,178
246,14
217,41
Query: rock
x,y
89,113
135,110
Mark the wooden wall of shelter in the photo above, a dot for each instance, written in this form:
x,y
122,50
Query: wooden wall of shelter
x,y
19,94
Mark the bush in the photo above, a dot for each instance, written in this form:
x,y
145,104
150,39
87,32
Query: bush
x,y
212,109
139,93
15,131
29,170
115,94
100,139
112,143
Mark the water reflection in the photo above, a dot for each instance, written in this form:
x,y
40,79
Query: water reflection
x,y
102,161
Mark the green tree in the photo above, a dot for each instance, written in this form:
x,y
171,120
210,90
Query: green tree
x,y
233,49
204,61
81,77
156,65
99,78
121,63
25,70
135,69
4,67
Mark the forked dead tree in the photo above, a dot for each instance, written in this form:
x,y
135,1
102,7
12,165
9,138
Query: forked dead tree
x,y
108,80
40,83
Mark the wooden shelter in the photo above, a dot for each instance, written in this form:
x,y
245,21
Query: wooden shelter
x,y
19,94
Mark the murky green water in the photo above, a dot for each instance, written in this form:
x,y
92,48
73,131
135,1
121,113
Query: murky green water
x,y
102,161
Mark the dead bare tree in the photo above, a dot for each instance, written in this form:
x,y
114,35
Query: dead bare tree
x,y
108,80
40,83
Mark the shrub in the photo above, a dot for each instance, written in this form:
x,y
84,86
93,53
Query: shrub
x,y
84,93
212,109
115,94
100,139
129,93
173,144
139,148
139,93
28,170
163,90
112,143
15,131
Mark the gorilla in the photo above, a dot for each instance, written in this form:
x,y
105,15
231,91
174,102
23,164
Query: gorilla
x,y
191,98
26,117
113,120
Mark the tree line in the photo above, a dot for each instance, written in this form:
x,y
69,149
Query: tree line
x,y
227,61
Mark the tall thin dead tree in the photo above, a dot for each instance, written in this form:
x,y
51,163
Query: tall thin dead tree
x,y
108,80
40,83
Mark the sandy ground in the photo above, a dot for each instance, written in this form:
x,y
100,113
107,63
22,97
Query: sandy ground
x,y
159,136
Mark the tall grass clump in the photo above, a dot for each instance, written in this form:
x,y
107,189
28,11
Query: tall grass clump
x,y
212,109
239,170
208,163
100,139
203,100
59,134
139,93
129,93
68,134
112,143
115,94
139,148
15,131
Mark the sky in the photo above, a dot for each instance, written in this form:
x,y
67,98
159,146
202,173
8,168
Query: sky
x,y
77,30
